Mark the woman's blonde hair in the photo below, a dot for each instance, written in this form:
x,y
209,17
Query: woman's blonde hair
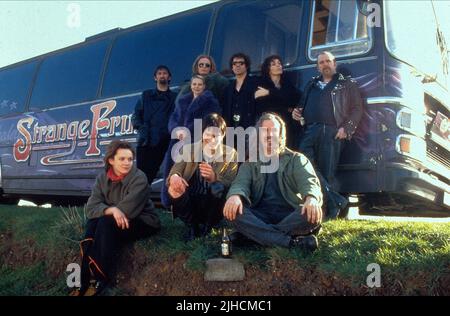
x,y
202,78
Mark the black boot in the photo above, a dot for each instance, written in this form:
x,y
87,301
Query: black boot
x,y
206,230
306,243
191,233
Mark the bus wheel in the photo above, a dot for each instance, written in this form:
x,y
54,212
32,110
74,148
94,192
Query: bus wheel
x,y
344,213
9,200
353,201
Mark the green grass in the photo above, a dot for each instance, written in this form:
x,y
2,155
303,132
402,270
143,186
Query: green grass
x,y
29,280
346,248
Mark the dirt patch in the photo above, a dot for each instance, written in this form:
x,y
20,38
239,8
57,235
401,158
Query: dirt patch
x,y
141,275
15,254
172,278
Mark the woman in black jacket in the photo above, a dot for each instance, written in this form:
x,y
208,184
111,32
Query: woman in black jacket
x,y
276,94
118,210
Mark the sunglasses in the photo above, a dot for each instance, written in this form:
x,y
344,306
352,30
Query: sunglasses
x,y
202,65
240,63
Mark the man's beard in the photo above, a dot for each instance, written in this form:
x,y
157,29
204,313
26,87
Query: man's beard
x,y
162,81
268,147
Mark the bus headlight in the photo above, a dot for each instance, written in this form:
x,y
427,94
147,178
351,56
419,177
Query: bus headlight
x,y
411,122
411,146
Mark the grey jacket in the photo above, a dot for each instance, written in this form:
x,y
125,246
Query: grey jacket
x,y
131,196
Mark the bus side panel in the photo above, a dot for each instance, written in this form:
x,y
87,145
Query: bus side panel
x,y
60,151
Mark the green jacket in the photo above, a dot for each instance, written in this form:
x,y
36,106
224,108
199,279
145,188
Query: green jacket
x,y
296,179
131,196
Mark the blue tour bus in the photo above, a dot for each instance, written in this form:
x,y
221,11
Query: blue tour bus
x,y
58,111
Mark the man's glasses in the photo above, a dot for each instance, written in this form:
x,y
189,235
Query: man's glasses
x,y
202,65
240,63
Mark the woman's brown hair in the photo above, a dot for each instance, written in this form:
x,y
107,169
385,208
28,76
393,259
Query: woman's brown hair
x,y
112,149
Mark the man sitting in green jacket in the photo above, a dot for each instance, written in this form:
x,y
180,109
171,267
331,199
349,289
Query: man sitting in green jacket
x,y
280,208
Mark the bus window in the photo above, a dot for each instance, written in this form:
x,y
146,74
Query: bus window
x,y
258,29
69,77
14,88
426,55
339,27
135,54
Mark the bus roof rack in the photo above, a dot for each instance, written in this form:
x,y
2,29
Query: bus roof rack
x,y
103,34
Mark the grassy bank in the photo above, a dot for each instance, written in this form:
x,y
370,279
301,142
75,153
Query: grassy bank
x,y
37,244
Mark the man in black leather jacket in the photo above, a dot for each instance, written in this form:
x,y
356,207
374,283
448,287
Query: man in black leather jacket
x,y
331,108
150,118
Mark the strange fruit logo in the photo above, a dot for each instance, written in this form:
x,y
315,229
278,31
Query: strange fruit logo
x,y
68,136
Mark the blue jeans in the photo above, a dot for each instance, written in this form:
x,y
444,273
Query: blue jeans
x,y
319,145
265,228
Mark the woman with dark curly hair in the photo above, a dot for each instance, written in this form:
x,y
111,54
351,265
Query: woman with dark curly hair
x,y
276,94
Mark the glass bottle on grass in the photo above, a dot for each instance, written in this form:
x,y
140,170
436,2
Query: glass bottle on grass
x,y
225,245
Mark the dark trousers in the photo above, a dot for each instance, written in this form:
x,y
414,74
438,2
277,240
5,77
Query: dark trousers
x,y
198,209
319,145
149,158
102,242
272,227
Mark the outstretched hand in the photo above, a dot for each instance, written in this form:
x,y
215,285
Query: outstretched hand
x,y
177,186
313,210
232,207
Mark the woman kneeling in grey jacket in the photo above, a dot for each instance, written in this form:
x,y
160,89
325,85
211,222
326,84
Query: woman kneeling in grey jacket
x,y
118,211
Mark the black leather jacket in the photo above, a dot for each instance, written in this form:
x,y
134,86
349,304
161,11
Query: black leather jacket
x,y
347,102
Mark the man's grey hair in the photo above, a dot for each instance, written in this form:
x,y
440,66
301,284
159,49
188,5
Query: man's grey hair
x,y
269,116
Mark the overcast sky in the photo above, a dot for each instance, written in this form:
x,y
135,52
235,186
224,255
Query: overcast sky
x,y
31,28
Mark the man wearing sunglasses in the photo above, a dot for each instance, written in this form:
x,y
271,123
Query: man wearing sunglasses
x,y
239,104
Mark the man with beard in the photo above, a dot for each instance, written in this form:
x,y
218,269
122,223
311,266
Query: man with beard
x,y
276,203
331,108
150,118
